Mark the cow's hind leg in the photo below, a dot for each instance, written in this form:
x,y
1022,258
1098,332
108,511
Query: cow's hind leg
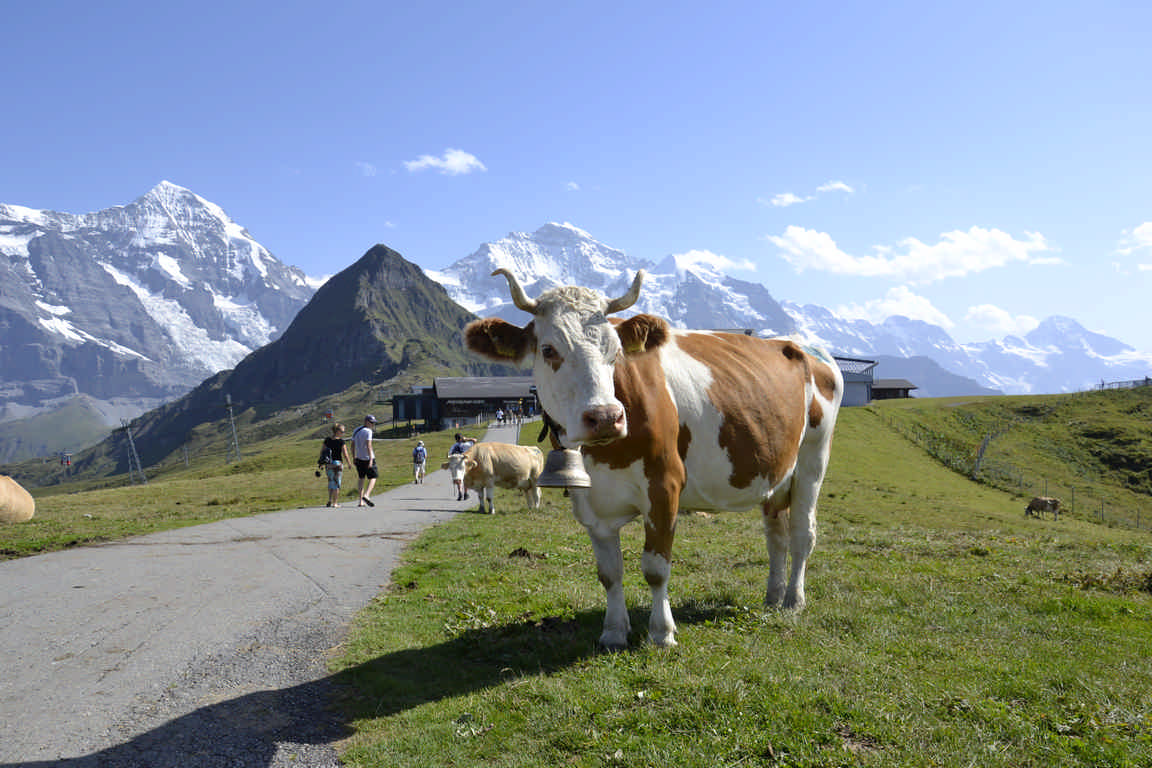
x,y
801,519
776,536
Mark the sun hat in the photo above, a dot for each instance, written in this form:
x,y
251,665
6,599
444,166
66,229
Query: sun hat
x,y
370,418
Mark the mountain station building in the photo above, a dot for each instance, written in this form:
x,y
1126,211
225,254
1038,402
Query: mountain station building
x,y
460,401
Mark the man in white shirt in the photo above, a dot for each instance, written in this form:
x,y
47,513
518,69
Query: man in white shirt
x,y
364,457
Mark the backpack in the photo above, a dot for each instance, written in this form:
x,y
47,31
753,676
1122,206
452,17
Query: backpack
x,y
419,454
325,455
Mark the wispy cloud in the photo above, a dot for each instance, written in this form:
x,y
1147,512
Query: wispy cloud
x,y
572,186
956,254
835,186
454,162
365,169
692,258
999,322
785,199
899,300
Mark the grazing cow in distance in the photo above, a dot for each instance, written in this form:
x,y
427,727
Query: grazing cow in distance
x,y
16,504
488,465
1041,504
669,419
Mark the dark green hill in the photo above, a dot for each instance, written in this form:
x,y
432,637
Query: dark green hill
x,y
380,323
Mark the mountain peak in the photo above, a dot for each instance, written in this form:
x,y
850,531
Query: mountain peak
x,y
557,230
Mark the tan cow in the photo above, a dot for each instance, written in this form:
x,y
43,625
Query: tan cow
x,y
668,420
1041,504
16,504
488,465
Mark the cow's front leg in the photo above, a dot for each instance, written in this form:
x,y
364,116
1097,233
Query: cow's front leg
x,y
489,493
656,564
605,538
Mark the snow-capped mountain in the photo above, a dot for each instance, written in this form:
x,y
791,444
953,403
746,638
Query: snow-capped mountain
x,y
136,303
1058,356
692,294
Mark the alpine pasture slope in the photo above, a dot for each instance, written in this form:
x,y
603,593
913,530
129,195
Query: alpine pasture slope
x,y
943,628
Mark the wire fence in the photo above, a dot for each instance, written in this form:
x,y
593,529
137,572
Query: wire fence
x,y
1082,500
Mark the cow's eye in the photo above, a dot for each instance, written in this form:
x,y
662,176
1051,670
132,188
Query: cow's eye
x,y
548,352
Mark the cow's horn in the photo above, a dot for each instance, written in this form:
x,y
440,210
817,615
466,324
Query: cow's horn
x,y
628,299
518,297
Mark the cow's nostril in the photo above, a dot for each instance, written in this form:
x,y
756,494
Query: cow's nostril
x,y
603,420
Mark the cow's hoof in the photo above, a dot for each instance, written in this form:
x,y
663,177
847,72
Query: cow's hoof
x,y
663,641
613,642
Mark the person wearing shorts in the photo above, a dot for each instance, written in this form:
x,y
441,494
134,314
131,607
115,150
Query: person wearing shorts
x,y
335,468
364,458
419,462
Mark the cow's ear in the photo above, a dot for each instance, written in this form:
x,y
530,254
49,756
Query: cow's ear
x,y
498,340
641,333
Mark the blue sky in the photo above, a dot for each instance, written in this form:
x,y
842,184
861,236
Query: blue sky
x,y
979,165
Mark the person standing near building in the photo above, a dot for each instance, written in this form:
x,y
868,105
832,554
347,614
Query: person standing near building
x,y
419,462
364,457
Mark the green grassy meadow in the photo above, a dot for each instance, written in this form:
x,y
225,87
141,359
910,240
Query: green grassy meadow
x,y
943,627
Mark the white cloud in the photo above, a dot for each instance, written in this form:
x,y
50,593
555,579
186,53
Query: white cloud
x,y
715,261
899,300
572,186
956,254
366,169
999,322
1137,241
455,162
784,199
835,186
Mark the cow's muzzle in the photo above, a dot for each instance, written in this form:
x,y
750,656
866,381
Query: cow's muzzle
x,y
603,424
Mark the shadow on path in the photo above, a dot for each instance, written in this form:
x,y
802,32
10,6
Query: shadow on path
x,y
249,730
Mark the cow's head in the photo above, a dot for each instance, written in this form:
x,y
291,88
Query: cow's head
x,y
456,466
573,348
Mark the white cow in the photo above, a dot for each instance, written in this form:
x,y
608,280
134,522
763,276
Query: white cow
x,y
16,504
487,465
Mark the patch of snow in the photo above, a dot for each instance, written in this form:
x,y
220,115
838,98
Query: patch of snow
x,y
192,341
53,309
171,267
245,318
65,328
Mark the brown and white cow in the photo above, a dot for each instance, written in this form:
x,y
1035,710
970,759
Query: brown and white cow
x,y
669,419
1041,504
489,465
16,504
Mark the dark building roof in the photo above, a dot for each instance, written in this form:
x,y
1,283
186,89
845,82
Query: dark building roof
x,y
893,384
478,387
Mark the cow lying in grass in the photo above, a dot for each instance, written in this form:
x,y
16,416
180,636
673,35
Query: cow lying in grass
x,y
488,465
16,504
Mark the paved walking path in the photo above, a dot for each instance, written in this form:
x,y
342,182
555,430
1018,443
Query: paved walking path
x,y
202,646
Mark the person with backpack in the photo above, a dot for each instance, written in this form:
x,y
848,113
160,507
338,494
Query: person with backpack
x,y
333,456
461,446
419,462
364,457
